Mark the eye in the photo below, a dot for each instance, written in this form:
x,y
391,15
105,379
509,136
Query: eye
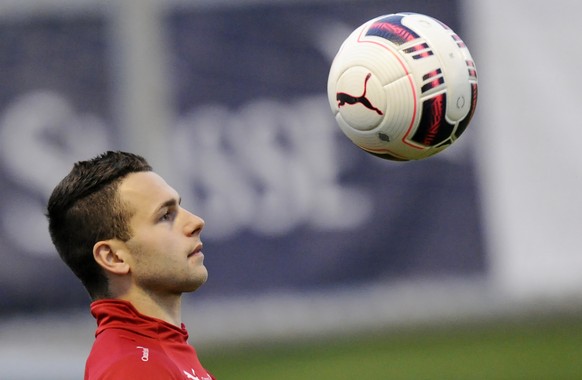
x,y
168,216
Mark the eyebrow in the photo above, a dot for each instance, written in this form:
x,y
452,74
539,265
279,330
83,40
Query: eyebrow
x,y
169,203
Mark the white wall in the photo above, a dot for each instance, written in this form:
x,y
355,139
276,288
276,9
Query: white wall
x,y
528,134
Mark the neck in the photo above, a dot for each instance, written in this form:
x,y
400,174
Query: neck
x,y
168,308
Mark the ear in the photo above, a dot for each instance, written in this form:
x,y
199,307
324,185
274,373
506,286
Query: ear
x,y
111,256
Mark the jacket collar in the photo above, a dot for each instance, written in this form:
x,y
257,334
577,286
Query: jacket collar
x,y
121,314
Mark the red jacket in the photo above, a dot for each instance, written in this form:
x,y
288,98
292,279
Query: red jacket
x,y
129,345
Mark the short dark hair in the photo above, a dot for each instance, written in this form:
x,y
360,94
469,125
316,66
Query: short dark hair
x,y
85,208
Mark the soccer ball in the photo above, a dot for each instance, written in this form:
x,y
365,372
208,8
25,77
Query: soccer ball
x,y
403,86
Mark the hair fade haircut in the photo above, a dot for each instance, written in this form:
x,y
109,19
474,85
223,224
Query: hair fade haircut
x,y
85,208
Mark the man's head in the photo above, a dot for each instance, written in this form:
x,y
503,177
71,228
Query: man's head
x,y
85,208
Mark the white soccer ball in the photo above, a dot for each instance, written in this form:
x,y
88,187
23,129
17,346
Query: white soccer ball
x,y
403,86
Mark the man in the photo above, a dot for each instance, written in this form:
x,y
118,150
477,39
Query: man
x,y
120,228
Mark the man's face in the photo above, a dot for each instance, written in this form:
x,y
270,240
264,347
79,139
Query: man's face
x,y
165,247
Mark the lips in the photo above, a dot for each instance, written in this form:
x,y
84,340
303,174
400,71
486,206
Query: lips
x,y
196,250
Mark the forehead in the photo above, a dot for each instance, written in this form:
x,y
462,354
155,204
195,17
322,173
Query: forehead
x,y
145,191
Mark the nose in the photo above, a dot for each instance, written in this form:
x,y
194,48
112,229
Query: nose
x,y
194,224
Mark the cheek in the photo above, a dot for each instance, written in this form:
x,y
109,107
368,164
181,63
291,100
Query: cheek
x,y
149,265
145,241
142,252
153,249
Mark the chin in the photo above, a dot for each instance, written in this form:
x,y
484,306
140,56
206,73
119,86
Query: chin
x,y
196,283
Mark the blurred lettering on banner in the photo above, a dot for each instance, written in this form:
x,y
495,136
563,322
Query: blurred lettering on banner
x,y
290,203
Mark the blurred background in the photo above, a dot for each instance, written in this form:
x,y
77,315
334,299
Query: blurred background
x,y
324,261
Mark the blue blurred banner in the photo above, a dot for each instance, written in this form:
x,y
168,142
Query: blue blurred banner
x,y
290,204
53,110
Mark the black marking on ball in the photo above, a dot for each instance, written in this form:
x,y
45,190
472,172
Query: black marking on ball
x,y
384,137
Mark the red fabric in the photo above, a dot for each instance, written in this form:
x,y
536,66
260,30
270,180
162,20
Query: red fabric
x,y
130,345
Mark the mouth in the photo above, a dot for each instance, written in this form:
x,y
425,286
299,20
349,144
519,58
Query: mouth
x,y
196,251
